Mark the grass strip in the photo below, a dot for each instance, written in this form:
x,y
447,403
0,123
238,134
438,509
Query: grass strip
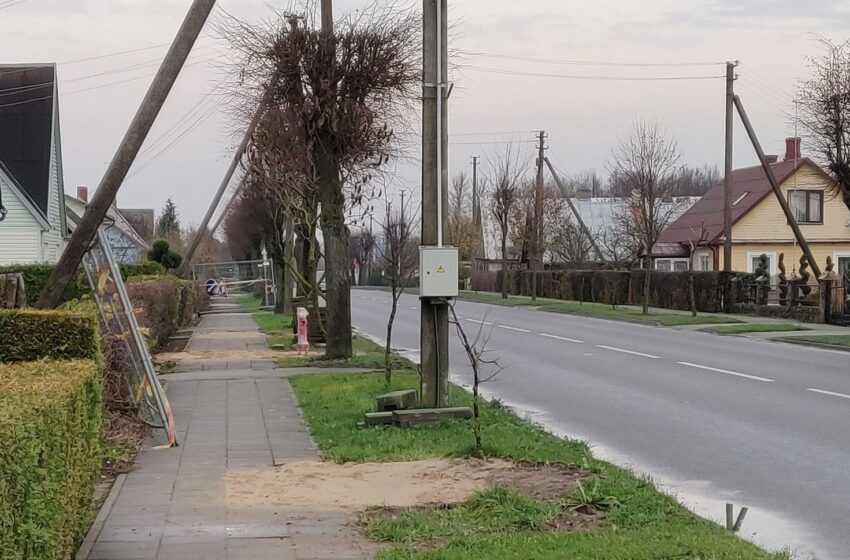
x,y
640,522
746,328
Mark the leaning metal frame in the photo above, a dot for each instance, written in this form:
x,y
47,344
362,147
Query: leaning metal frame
x,y
117,317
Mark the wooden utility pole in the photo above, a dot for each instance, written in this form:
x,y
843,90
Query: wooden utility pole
x,y
537,226
477,220
51,295
774,184
434,331
327,15
727,177
222,188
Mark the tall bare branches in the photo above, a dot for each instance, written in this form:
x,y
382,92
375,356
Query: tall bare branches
x,y
825,111
507,174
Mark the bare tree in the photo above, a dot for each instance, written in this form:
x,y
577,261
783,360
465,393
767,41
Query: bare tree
x,y
697,238
462,229
399,257
507,176
824,103
345,95
646,162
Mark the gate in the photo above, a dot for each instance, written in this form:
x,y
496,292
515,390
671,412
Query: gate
x,y
238,279
840,301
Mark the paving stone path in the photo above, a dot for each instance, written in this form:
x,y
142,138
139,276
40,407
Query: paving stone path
x,y
172,505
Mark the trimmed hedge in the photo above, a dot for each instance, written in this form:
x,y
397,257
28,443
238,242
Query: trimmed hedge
x,y
27,335
36,276
166,305
668,290
50,420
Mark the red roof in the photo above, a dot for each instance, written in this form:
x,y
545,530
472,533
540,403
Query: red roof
x,y
749,187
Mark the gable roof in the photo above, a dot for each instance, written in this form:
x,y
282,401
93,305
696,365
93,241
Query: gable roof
x,y
76,208
26,128
749,187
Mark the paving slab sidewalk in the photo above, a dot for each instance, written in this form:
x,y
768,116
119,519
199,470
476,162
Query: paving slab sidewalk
x,y
172,505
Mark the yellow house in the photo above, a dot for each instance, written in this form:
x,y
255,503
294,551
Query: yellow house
x,y
758,224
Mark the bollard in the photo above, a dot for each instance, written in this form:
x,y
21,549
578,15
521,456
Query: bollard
x,y
303,344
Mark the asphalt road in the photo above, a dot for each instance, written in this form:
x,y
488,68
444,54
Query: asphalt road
x,y
714,419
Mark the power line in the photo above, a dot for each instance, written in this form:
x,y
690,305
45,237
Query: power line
x,y
589,78
195,109
11,3
590,63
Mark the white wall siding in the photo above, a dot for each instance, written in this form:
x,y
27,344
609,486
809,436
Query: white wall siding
x,y
52,239
20,232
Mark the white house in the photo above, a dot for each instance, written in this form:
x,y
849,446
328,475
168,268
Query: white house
x,y
33,226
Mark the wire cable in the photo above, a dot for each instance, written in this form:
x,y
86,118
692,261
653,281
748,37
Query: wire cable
x,y
588,78
588,62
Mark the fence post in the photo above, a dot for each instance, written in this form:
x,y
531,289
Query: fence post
x,y
825,300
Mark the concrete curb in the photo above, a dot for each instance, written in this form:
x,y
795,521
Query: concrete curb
x,y
96,527
810,344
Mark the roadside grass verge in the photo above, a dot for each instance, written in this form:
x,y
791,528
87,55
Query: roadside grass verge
x,y
837,342
367,355
640,522
276,326
599,310
755,328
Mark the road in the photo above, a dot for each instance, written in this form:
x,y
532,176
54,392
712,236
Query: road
x,y
712,418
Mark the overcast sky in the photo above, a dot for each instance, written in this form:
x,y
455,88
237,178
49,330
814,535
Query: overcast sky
x,y
190,146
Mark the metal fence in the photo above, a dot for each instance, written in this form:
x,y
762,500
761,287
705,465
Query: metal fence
x,y
118,320
238,278
784,294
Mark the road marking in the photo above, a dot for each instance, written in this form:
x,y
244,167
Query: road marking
x,y
414,308
830,393
513,329
479,322
727,372
624,351
562,338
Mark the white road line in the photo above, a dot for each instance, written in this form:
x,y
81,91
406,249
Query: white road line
x,y
727,372
830,393
479,322
624,351
562,338
513,328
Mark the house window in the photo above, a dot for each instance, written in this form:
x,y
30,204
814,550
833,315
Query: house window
x,y
753,262
807,206
705,262
671,265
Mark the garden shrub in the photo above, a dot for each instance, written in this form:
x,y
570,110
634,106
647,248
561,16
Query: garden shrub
x,y
50,420
27,335
166,304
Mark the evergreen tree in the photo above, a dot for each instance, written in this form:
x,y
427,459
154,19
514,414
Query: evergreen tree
x,y
168,224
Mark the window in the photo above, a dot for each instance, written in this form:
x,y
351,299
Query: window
x,y
672,265
753,262
807,206
705,262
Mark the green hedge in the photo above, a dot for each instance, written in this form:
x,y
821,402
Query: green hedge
x,y
50,419
166,305
27,335
36,275
668,290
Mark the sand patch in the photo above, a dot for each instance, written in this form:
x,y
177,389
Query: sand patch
x,y
355,487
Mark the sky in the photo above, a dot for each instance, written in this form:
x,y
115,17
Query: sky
x,y
499,96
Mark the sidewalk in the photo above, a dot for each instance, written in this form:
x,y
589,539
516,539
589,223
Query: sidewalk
x,y
172,505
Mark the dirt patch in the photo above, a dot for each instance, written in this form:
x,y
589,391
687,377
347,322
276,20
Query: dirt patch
x,y
356,487
222,355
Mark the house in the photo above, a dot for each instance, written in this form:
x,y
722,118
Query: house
x,y
758,224
33,223
127,244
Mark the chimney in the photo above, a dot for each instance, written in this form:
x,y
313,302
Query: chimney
x,y
793,149
83,194
771,158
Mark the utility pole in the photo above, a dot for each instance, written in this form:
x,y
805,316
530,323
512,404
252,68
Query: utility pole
x,y
403,192
537,227
477,221
565,193
727,178
222,188
434,333
124,157
774,184
327,15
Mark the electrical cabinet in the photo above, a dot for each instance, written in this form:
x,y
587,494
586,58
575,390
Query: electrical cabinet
x,y
438,272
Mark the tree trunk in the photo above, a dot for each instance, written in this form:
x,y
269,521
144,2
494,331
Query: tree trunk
x,y
647,279
337,272
286,274
693,293
504,267
388,362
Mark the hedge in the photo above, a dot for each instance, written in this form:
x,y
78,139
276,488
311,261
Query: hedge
x,y
50,420
27,335
36,276
166,305
668,290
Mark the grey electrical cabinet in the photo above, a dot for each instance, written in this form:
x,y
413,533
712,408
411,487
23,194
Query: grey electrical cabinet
x,y
438,272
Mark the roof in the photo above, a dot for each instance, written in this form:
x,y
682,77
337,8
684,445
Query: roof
x,y
142,220
75,208
749,187
26,128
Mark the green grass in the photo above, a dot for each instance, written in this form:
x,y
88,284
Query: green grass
x,y
600,310
641,522
838,341
754,328
367,355
276,326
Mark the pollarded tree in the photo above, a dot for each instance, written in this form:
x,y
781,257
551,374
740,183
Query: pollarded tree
x,y
646,162
347,93
507,175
